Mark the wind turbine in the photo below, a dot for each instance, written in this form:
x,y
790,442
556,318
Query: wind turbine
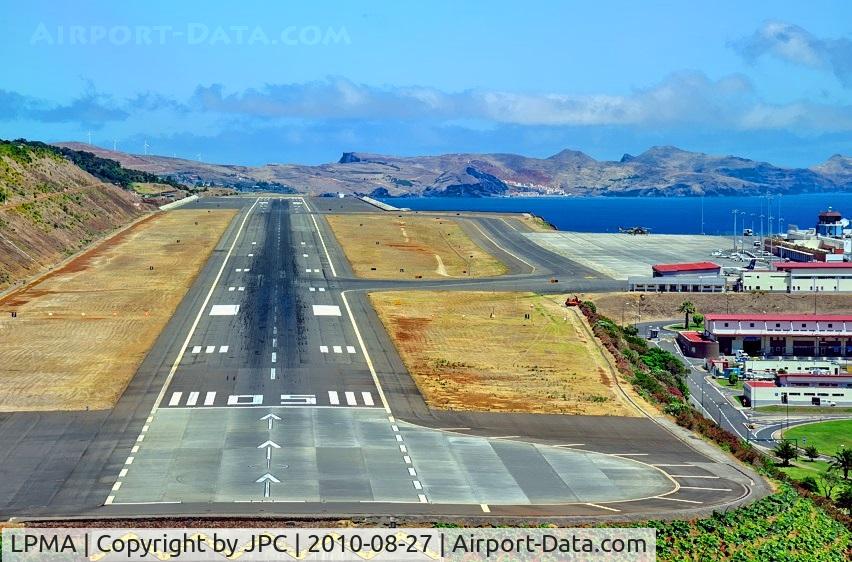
x,y
114,145
89,133
145,146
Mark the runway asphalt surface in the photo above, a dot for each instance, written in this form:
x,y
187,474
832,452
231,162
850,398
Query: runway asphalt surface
x,y
276,390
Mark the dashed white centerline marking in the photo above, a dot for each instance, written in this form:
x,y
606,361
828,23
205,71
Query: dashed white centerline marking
x,y
196,349
422,498
223,349
123,473
175,399
231,288
304,255
418,485
333,398
312,289
407,459
323,349
274,357
210,349
350,349
322,289
316,271
337,349
241,289
350,398
116,486
193,398
272,373
485,508
307,270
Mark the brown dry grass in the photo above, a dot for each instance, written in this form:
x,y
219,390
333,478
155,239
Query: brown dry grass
x,y
434,248
462,358
658,307
82,331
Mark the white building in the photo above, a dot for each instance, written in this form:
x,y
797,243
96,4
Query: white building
x,y
796,277
765,393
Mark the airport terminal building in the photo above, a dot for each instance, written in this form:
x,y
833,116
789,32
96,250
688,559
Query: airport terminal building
x,y
788,335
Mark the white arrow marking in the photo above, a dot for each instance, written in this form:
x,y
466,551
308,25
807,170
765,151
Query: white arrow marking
x,y
269,444
270,419
267,479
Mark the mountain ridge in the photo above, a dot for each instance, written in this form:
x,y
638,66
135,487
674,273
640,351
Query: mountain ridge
x,y
659,171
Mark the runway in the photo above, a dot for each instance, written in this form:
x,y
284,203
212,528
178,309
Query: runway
x,y
275,383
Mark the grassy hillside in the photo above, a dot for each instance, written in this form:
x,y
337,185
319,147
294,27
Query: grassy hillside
x,y
50,208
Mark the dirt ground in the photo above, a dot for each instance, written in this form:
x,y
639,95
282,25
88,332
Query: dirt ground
x,y
380,246
477,351
663,306
82,331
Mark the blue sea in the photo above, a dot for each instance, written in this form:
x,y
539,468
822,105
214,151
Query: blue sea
x,y
663,215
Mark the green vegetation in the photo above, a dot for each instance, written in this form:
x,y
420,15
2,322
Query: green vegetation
x,y
786,451
24,151
782,527
726,383
827,436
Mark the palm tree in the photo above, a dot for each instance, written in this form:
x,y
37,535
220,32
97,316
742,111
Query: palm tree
x,y
687,308
842,461
811,452
786,451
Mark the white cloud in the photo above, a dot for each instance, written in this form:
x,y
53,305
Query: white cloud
x,y
797,45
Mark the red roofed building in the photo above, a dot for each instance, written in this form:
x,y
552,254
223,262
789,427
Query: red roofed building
x,y
782,335
695,268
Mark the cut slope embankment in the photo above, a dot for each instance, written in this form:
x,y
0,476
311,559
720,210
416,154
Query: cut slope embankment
x,y
51,209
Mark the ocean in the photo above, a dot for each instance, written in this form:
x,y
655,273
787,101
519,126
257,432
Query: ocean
x,y
663,215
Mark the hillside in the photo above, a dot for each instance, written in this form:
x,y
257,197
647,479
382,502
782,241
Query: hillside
x,y
659,171
50,209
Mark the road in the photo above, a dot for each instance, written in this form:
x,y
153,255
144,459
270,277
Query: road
x,y
275,389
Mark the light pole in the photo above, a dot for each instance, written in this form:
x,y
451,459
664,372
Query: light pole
x,y
734,212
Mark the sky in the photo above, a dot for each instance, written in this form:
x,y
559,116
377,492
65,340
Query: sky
x,y
254,82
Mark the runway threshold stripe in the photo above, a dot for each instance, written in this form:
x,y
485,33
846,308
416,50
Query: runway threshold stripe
x,y
209,398
337,349
350,399
333,397
368,398
193,399
175,399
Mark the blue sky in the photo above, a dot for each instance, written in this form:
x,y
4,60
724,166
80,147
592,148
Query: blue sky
x,y
255,82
